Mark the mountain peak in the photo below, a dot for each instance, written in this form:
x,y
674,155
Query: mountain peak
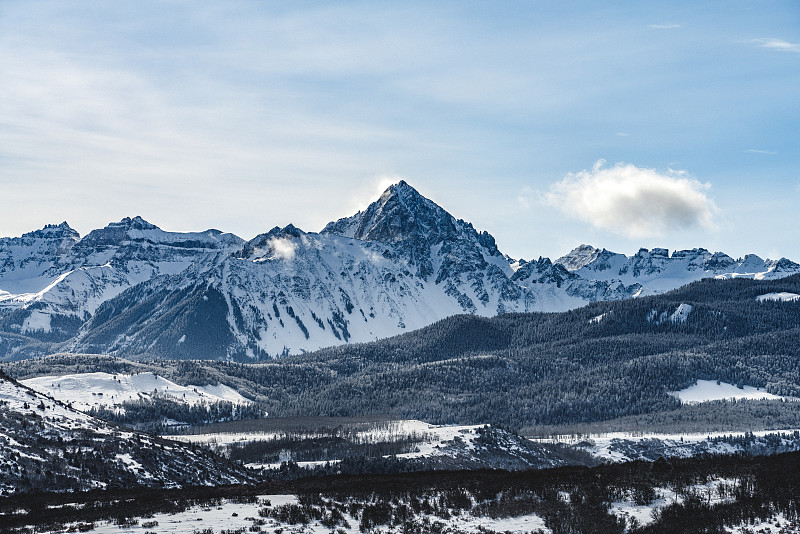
x,y
401,213
400,189
579,257
417,226
115,233
54,231
135,223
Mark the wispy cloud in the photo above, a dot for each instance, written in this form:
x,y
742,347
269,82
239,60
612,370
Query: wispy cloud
x,y
283,248
633,201
665,26
623,134
760,151
777,44
525,197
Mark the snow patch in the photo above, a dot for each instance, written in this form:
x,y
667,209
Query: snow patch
x,y
128,460
709,390
681,314
782,297
595,320
36,321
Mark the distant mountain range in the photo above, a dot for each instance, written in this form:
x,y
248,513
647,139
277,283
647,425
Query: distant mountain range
x,y
132,289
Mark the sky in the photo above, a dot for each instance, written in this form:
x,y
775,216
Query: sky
x,y
547,123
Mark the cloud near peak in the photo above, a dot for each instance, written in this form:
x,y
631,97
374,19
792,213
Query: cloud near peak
x,y
633,201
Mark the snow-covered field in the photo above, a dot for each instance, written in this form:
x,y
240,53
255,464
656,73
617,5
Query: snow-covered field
x,y
627,446
710,390
370,432
93,390
231,516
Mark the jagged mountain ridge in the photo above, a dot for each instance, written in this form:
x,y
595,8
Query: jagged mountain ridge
x,y
51,281
402,263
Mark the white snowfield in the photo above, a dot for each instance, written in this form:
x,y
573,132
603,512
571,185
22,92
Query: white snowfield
x,y
610,446
679,316
782,297
93,390
231,516
384,431
709,390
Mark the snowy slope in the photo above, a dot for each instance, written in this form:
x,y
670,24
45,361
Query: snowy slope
x,y
93,390
45,445
241,515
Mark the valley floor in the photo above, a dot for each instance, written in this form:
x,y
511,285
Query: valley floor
x,y
729,494
232,517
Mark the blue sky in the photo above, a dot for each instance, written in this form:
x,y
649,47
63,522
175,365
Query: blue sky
x,y
549,124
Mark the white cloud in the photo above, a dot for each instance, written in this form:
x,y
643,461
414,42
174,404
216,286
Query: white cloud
x,y
283,248
760,151
777,44
633,201
665,26
524,198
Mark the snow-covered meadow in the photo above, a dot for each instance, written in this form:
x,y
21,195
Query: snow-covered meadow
x,y
231,516
85,391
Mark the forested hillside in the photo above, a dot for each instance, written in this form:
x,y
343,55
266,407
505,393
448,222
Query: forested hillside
x,y
603,361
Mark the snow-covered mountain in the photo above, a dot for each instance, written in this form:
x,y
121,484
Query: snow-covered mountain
x,y
404,262
51,281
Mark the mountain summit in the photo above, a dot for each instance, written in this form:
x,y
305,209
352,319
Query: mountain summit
x,y
400,214
404,262
415,225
